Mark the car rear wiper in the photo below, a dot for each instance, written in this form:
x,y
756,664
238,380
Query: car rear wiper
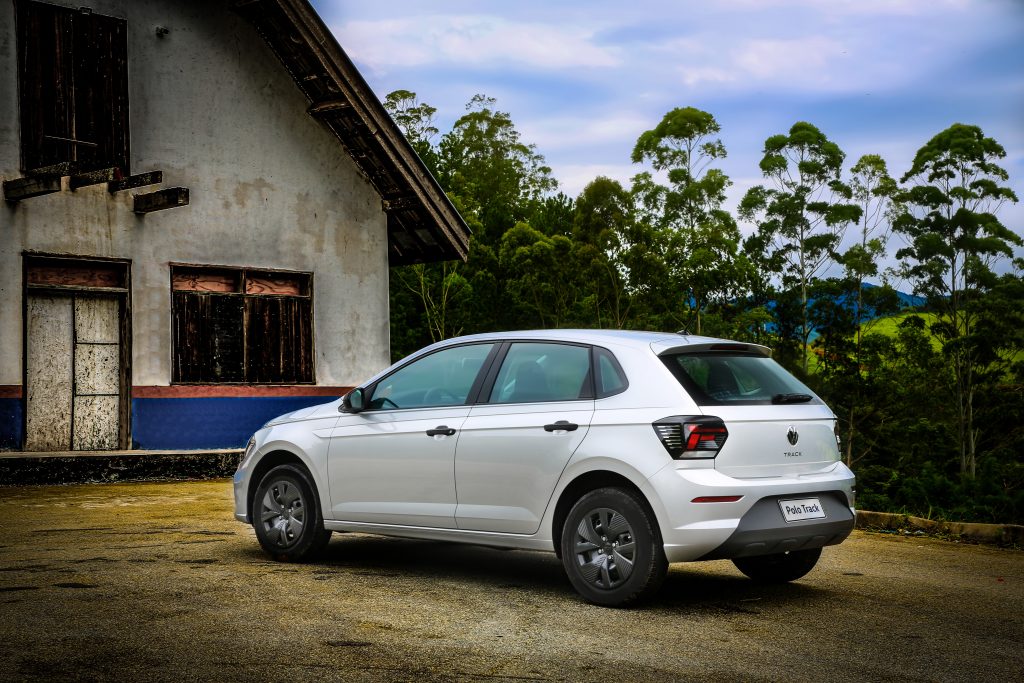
x,y
791,398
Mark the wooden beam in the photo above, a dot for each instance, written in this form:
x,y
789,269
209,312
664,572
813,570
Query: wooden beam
x,y
24,188
133,181
168,198
55,171
399,203
328,107
103,175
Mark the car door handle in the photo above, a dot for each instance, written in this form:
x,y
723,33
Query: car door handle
x,y
443,430
561,426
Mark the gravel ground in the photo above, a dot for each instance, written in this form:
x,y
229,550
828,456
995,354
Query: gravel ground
x,y
156,581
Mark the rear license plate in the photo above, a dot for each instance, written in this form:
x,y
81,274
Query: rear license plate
x,y
804,508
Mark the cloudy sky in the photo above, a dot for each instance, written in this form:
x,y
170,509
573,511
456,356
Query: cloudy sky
x,y
583,78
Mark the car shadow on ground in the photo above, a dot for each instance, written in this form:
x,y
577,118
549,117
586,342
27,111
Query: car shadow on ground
x,y
702,587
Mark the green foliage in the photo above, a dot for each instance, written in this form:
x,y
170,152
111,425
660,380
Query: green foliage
x,y
918,395
702,266
801,215
953,237
499,178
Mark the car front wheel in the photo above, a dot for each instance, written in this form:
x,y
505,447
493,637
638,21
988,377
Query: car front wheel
x,y
286,515
780,568
611,548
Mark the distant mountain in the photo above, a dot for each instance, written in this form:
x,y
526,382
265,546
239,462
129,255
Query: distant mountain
x,y
906,300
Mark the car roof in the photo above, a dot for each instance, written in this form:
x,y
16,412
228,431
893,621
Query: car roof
x,y
660,341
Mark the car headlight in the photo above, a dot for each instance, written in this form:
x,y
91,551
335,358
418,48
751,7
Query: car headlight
x,y
250,449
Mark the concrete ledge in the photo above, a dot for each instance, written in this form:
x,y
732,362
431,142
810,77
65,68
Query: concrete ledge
x,y
1000,534
18,468
30,455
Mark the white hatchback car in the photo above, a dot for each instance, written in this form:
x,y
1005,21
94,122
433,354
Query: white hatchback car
x,y
619,451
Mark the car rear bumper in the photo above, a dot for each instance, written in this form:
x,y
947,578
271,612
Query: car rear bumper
x,y
698,531
764,531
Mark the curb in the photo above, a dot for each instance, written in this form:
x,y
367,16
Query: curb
x,y
997,534
23,469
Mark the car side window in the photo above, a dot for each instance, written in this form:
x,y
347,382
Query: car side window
x,y
611,379
443,378
533,372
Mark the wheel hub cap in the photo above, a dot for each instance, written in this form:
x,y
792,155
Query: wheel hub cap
x,y
605,548
283,513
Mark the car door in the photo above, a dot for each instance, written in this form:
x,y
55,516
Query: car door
x,y
519,437
393,462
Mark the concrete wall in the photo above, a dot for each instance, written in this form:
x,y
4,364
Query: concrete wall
x,y
213,108
215,111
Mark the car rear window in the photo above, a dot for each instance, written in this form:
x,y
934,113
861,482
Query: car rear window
x,y
736,379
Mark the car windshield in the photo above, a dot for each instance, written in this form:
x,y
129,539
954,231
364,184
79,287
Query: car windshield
x,y
736,379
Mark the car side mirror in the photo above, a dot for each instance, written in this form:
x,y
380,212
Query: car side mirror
x,y
353,402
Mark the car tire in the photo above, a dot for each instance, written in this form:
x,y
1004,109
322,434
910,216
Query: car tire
x,y
780,568
286,515
611,548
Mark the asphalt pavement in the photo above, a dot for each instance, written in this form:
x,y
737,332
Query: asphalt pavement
x,y
157,581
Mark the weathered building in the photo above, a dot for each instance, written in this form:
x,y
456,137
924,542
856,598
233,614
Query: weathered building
x,y
201,202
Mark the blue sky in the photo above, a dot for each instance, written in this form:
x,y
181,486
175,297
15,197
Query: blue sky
x,y
582,80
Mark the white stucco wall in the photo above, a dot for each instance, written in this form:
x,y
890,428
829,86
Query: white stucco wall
x,y
212,107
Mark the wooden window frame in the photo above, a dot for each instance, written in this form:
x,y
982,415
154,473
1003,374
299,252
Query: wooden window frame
x,y
242,284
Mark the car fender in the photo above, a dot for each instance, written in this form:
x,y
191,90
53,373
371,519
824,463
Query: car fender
x,y
295,438
580,466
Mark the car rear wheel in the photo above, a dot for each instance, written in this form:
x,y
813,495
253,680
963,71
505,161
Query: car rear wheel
x,y
287,517
780,568
611,548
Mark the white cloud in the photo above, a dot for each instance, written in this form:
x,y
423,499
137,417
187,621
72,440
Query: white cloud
x,y
580,130
804,59
468,40
572,178
695,75
839,8
734,61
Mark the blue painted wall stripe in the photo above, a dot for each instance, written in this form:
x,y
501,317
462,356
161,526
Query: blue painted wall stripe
x,y
180,423
195,423
10,423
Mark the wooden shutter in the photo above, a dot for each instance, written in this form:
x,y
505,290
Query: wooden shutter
x,y
101,91
73,76
279,338
46,78
208,338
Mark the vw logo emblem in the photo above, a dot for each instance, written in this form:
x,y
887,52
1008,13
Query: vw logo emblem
x,y
792,435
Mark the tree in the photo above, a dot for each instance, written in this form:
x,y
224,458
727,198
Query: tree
x,y
682,145
483,162
416,119
803,215
700,239
440,288
876,192
496,182
954,238
540,274
601,230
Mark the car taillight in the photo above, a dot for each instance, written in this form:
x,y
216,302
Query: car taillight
x,y
696,437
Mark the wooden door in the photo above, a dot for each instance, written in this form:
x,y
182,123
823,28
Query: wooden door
x,y
73,372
